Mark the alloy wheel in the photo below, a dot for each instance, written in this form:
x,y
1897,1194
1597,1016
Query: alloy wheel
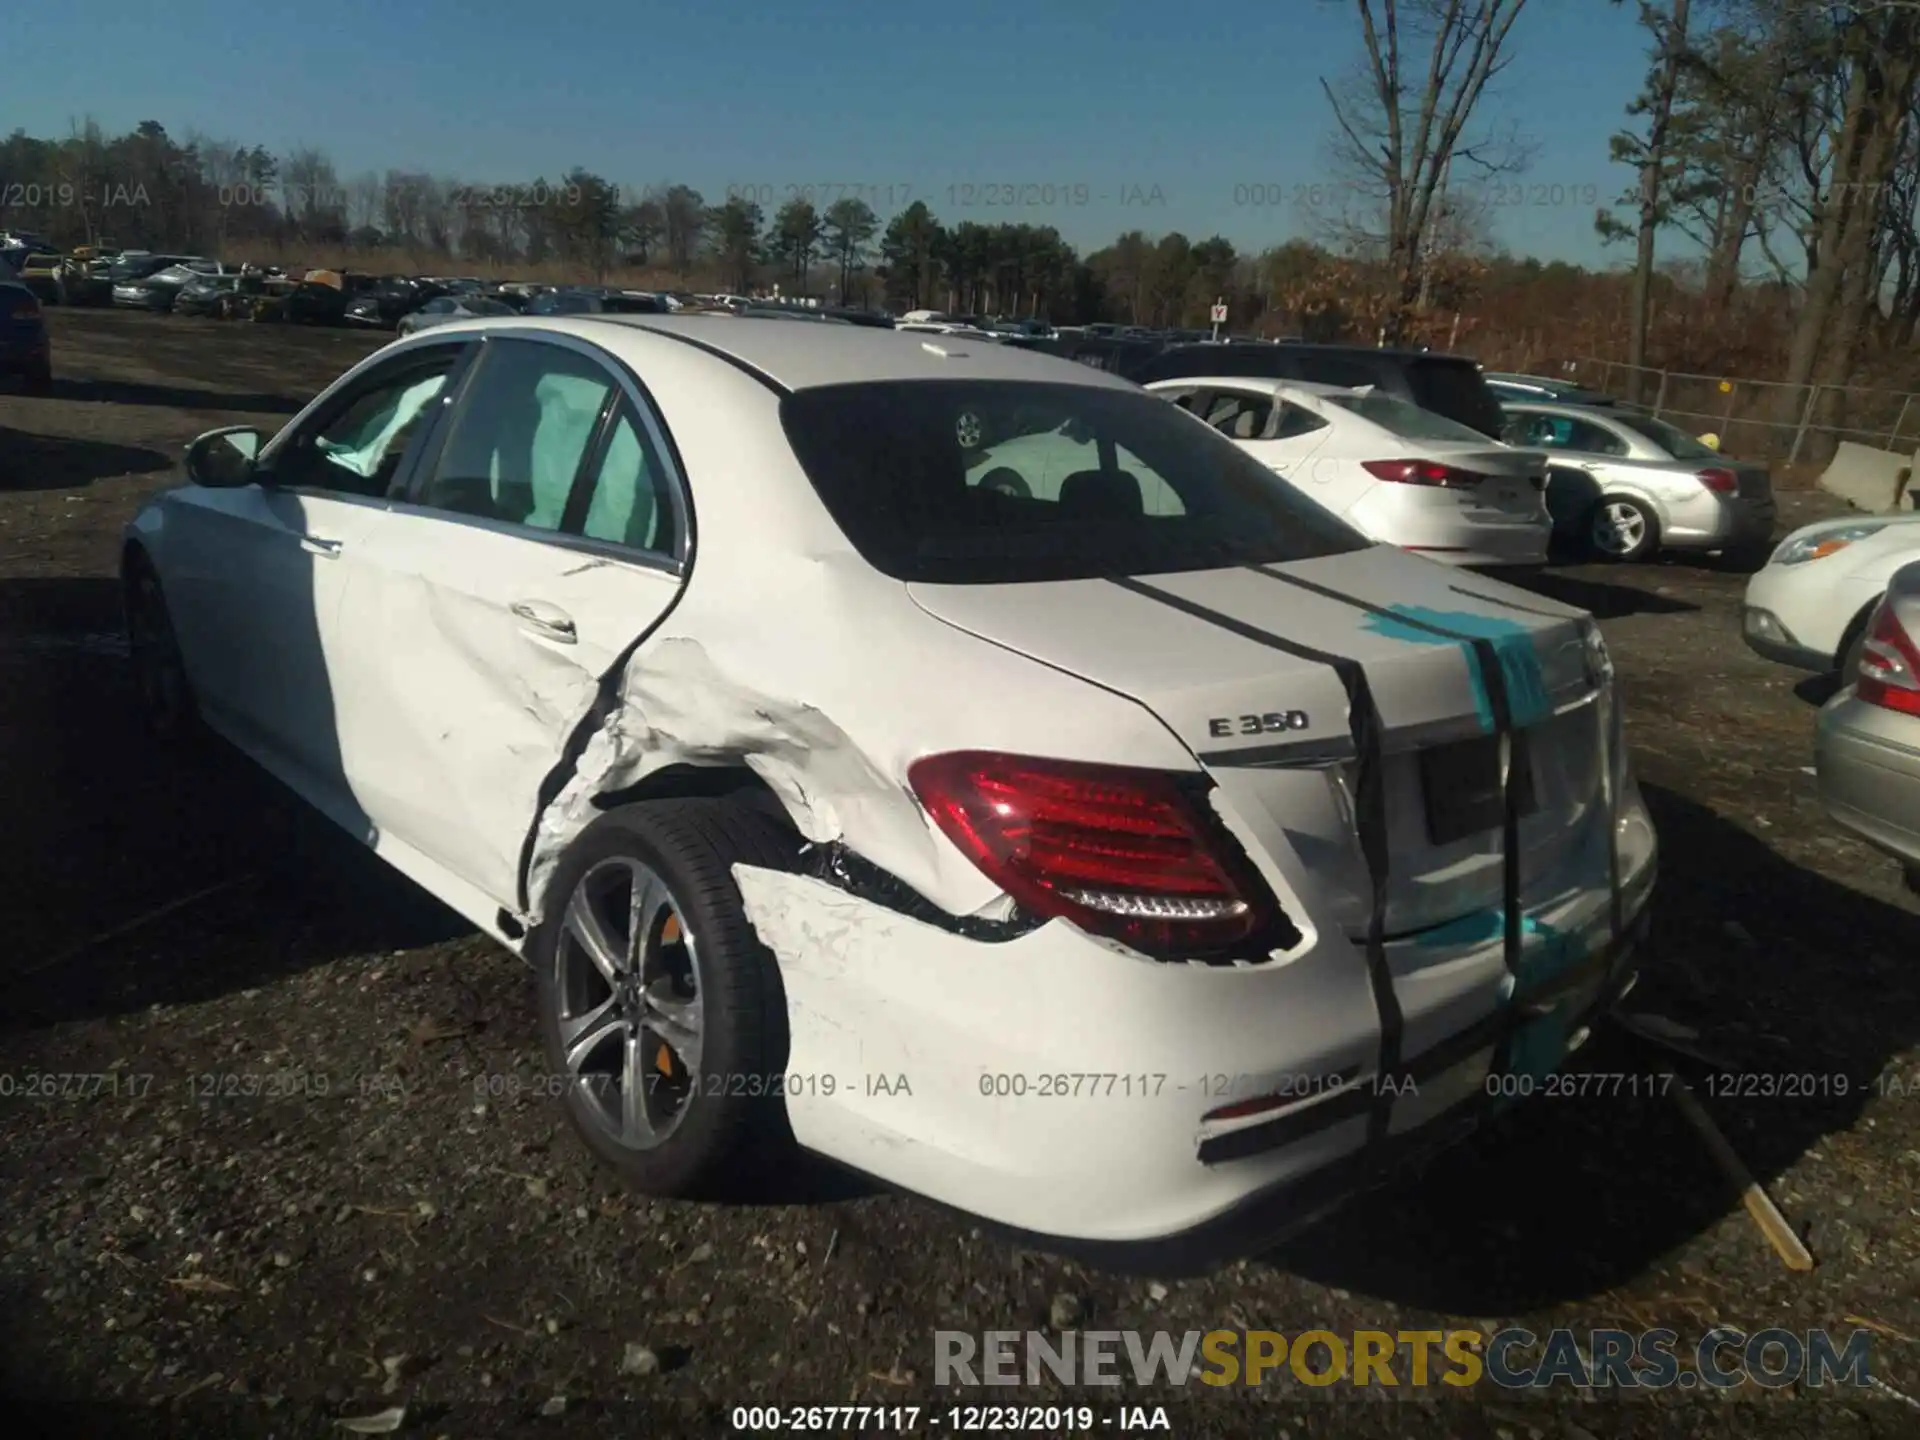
x,y
631,1011
1618,528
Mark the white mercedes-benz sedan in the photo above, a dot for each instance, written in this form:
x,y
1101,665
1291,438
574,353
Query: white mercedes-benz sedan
x,y
1113,873
1401,474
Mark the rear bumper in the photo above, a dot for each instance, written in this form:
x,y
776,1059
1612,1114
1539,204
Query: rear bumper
x,y
1868,763
1059,1087
1436,524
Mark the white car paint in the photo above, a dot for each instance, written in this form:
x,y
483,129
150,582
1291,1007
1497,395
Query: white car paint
x,y
424,678
1314,436
1806,605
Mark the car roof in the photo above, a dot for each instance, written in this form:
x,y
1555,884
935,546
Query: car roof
x,y
800,357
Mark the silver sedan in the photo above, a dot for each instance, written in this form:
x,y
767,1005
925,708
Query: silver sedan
x,y
1867,742
1627,486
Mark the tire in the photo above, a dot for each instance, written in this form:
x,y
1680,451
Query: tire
x,y
169,712
1746,559
1621,529
1853,645
40,382
1005,480
715,1122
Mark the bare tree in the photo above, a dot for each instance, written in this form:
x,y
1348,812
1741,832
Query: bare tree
x,y
1649,155
1399,131
1879,50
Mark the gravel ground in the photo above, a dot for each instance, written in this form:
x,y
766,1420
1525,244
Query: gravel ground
x,y
381,1212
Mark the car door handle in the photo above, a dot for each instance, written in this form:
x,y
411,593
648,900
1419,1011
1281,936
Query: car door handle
x,y
547,620
315,545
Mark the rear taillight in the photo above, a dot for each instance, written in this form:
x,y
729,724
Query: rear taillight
x,y
1721,482
25,308
1889,674
1422,472
1121,852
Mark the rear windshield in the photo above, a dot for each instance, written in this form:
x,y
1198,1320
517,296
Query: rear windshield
x,y
1670,438
1406,420
1001,482
1457,390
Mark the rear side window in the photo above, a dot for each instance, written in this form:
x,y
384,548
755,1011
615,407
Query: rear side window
x,y
1457,390
523,428
981,482
1675,441
628,504
1399,417
1239,416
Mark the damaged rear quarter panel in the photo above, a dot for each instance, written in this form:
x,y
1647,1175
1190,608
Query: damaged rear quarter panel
x,y
791,656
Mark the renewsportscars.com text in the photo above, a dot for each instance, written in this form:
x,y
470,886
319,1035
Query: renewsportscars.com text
x,y
1512,1358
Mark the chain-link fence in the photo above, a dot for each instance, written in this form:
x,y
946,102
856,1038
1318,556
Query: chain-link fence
x,y
1767,419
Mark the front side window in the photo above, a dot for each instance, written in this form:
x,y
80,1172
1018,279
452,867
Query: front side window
x,y
1073,482
356,448
524,424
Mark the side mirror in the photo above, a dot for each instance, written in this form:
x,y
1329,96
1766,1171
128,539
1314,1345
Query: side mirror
x,y
224,459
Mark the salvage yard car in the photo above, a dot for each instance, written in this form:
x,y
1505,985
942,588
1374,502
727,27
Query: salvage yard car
x,y
25,352
1867,745
1808,607
1403,475
838,800
1625,486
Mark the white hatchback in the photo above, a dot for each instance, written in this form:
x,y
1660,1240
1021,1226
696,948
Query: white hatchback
x,y
1404,475
1101,872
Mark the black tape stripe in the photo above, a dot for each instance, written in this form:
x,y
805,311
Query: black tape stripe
x,y
1494,678
1370,816
1616,921
1563,613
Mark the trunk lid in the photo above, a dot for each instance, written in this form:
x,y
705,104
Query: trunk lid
x,y
1270,723
1515,484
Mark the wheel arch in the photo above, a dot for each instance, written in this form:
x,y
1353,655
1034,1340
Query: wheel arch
x,y
1854,629
687,781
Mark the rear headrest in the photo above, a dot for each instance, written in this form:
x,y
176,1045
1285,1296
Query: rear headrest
x,y
1102,495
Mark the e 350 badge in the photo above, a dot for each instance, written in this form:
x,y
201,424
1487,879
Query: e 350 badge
x,y
1272,723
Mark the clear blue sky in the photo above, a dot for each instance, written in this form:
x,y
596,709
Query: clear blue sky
x,y
1118,96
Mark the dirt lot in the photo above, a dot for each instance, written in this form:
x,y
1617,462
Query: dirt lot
x,y
172,1262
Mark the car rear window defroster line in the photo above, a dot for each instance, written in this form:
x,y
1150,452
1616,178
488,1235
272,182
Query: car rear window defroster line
x,y
1370,821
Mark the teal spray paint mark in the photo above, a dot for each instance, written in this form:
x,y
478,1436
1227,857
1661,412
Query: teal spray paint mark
x,y
1539,1047
1512,642
1546,952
